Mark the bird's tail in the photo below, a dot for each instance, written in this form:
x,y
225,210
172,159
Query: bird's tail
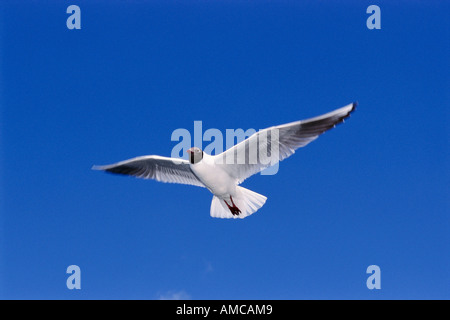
x,y
246,202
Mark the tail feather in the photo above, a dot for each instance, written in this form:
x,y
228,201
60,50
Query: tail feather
x,y
246,200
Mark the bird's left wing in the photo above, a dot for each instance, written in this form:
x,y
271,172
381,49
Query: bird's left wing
x,y
269,146
155,167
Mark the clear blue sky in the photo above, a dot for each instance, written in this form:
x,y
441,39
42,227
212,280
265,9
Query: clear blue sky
x,y
372,191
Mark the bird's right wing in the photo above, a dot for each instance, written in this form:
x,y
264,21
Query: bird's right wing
x,y
155,167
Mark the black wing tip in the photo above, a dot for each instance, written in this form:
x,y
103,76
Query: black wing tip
x,y
103,168
112,169
106,168
354,105
342,119
346,116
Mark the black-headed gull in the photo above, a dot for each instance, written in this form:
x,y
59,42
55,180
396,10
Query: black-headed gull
x,y
221,174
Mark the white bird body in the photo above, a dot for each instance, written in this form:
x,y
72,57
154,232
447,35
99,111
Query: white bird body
x,y
229,200
223,177
214,177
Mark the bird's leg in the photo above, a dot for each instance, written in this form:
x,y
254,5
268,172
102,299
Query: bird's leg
x,y
231,198
234,210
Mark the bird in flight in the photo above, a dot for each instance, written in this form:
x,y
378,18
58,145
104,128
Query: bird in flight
x,y
223,173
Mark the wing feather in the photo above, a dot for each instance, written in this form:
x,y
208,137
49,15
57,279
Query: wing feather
x,y
158,168
241,163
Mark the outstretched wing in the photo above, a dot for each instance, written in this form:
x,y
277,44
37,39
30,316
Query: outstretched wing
x,y
155,167
269,146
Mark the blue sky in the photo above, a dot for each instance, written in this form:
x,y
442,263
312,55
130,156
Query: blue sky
x,y
372,191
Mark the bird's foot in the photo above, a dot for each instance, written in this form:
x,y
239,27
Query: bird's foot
x,y
234,210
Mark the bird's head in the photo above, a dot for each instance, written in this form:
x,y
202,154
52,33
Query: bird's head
x,y
195,155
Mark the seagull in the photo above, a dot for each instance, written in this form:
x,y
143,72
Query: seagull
x,y
222,174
